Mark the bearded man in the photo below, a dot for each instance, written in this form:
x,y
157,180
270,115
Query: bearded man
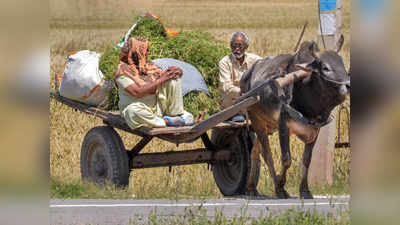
x,y
231,69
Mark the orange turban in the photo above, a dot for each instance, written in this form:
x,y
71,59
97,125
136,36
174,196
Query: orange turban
x,y
134,54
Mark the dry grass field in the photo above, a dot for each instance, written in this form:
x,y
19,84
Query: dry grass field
x,y
273,26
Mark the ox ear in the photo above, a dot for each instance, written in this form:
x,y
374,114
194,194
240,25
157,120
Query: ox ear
x,y
339,43
314,49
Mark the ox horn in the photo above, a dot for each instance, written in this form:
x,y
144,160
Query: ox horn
x,y
339,43
314,50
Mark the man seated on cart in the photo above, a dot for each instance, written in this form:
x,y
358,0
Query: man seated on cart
x,y
231,69
148,96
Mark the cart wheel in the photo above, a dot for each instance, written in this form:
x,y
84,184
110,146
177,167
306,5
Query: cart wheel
x,y
231,176
103,157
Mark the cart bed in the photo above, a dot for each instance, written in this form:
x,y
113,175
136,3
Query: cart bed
x,y
174,134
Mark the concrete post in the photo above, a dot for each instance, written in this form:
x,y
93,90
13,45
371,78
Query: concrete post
x,y
321,168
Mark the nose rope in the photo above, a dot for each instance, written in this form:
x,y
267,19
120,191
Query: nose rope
x,y
334,81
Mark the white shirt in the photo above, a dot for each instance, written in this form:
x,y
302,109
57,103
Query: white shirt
x,y
230,73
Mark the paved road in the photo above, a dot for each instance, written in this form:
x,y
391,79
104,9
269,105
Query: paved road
x,y
78,211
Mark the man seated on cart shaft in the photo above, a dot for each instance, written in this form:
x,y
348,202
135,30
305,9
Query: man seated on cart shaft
x,y
146,93
231,69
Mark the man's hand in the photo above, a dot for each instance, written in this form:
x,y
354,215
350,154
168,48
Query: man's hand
x,y
172,72
167,75
176,70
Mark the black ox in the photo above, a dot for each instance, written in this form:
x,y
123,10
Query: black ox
x,y
300,108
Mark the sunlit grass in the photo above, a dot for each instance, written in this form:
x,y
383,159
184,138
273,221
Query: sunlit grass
x,y
298,216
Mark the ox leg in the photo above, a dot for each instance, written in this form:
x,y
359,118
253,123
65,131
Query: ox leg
x,y
262,146
255,163
304,190
267,155
284,139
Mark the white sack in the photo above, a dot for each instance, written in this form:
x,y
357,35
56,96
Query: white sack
x,y
83,81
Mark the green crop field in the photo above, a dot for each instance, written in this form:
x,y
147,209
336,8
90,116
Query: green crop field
x,y
273,26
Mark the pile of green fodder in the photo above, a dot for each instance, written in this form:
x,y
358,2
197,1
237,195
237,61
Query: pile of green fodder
x,y
198,48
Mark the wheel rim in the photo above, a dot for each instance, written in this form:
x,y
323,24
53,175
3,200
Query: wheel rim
x,y
97,164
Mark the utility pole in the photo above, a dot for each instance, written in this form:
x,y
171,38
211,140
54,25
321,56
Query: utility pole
x,y
331,19
321,168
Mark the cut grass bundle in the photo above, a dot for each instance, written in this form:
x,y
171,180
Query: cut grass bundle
x,y
198,48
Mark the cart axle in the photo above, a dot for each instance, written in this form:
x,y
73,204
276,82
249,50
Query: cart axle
x,y
174,158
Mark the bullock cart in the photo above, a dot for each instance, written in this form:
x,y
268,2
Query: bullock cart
x,y
105,158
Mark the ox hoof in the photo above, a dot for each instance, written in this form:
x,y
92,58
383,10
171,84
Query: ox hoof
x,y
306,195
282,194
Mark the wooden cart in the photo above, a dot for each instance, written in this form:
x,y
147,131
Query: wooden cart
x,y
105,158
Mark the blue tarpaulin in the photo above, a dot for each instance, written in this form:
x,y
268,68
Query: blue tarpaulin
x,y
327,5
192,80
